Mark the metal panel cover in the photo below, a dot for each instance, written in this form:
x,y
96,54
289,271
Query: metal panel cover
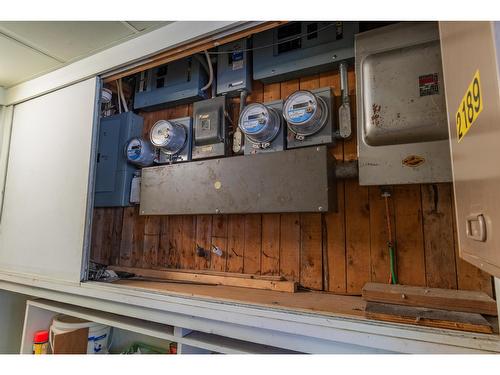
x,y
291,181
402,132
469,47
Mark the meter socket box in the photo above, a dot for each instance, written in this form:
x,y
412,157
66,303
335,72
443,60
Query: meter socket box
x,y
309,118
173,139
263,126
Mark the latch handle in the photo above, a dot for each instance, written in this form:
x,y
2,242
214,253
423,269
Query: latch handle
x,y
475,227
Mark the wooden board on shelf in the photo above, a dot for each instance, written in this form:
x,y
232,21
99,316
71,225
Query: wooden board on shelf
x,y
444,299
246,282
435,318
305,301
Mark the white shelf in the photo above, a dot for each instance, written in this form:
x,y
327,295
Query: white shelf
x,y
39,314
228,345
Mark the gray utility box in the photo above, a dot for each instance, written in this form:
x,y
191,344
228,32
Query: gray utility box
x,y
299,180
402,126
209,128
233,68
301,48
113,173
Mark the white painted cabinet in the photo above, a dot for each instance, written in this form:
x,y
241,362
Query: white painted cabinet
x,y
127,330
45,206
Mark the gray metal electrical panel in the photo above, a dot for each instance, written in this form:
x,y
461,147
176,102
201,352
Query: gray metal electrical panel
x,y
113,173
300,48
300,180
233,68
209,128
402,127
175,83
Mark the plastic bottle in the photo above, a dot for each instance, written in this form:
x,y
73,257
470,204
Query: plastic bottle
x,y
41,342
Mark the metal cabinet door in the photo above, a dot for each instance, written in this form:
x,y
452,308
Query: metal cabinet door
x,y
468,48
47,195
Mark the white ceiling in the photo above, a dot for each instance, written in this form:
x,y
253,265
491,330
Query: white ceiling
x,y
29,49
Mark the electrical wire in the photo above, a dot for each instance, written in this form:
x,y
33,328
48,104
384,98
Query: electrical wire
x,y
393,279
119,99
210,70
120,89
275,44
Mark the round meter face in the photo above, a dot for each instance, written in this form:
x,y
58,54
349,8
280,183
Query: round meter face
x,y
254,118
168,135
134,150
300,107
139,152
161,133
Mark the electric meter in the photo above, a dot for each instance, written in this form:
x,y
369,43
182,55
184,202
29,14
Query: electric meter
x,y
168,136
140,152
260,123
305,113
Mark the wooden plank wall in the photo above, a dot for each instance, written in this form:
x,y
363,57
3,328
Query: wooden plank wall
x,y
337,252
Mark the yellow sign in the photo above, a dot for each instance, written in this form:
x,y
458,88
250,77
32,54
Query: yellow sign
x,y
470,107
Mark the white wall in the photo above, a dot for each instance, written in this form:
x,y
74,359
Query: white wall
x,y
12,308
2,96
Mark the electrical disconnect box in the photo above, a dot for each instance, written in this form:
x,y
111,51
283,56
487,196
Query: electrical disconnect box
x,y
263,127
114,174
402,127
309,118
178,82
173,139
233,68
300,48
210,130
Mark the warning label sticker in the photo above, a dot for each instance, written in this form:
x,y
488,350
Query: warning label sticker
x,y
428,84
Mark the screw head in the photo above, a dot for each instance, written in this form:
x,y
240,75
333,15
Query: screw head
x,y
320,208
217,211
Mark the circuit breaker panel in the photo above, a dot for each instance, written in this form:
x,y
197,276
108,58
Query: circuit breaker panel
x,y
114,174
301,48
175,83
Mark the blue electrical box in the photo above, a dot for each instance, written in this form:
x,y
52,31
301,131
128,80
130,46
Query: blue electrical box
x,y
301,48
233,68
113,173
178,82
